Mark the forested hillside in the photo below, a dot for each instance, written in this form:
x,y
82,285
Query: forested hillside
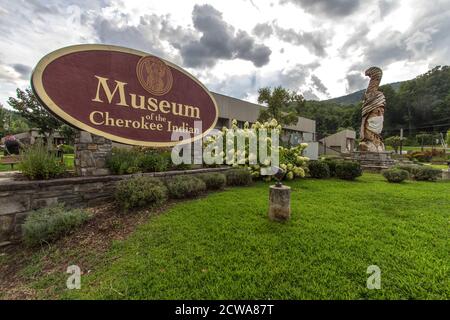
x,y
357,96
419,105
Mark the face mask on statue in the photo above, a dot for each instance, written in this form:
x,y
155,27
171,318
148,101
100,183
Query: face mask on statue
x,y
375,124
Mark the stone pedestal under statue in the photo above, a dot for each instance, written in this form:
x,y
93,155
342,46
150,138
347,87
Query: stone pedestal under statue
x,y
280,203
91,152
373,161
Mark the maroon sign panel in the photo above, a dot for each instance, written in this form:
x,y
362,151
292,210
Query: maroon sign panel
x,y
124,95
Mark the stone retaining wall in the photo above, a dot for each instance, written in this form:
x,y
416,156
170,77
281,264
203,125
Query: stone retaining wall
x,y
18,198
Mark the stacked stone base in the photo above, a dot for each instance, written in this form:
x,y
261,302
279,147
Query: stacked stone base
x,y
373,161
91,152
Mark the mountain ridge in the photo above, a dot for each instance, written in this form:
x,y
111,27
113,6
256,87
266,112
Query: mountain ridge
x,y
357,96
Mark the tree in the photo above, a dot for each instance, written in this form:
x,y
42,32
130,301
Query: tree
x,y
424,138
68,133
279,103
394,142
27,106
448,139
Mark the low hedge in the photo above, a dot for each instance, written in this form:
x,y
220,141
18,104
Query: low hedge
x,y
139,192
332,163
185,186
420,172
395,175
238,177
50,223
348,170
319,169
426,173
213,181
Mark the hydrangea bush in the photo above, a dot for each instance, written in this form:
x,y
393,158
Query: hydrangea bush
x,y
291,160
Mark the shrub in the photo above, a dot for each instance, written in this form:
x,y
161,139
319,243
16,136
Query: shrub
x,y
348,170
420,172
38,163
185,186
395,175
50,223
425,173
123,161
140,191
425,156
319,169
152,162
332,163
213,181
238,177
410,168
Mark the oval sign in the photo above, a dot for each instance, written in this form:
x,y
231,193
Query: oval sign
x,y
124,95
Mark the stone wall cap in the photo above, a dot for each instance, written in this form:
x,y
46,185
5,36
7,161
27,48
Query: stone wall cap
x,y
11,185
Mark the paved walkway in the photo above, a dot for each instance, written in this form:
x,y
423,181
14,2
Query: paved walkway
x,y
7,176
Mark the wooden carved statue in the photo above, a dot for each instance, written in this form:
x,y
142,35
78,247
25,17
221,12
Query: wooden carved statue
x,y
372,113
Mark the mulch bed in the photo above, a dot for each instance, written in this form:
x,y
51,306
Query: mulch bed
x,y
108,224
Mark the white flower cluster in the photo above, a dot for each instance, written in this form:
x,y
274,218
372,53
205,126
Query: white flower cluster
x,y
267,137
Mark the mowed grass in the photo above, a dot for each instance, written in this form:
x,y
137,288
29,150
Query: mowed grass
x,y
224,247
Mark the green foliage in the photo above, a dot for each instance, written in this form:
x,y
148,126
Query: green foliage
x,y
278,101
11,122
68,133
238,177
348,170
420,172
332,163
426,173
213,181
319,169
331,116
48,224
67,149
123,161
420,156
448,139
28,107
152,161
395,175
139,192
394,142
185,186
38,163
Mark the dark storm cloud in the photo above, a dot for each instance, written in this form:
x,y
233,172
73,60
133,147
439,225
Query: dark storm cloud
x,y
318,85
23,70
355,82
263,30
211,39
331,8
309,95
426,39
315,41
386,6
219,40
144,36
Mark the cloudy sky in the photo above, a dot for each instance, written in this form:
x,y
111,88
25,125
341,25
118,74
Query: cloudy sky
x,y
318,47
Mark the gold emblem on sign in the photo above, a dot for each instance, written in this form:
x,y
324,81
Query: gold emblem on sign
x,y
154,75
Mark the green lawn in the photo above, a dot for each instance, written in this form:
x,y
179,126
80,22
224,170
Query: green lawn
x,y
224,247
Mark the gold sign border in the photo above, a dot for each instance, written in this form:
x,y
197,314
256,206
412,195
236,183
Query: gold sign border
x,y
39,90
